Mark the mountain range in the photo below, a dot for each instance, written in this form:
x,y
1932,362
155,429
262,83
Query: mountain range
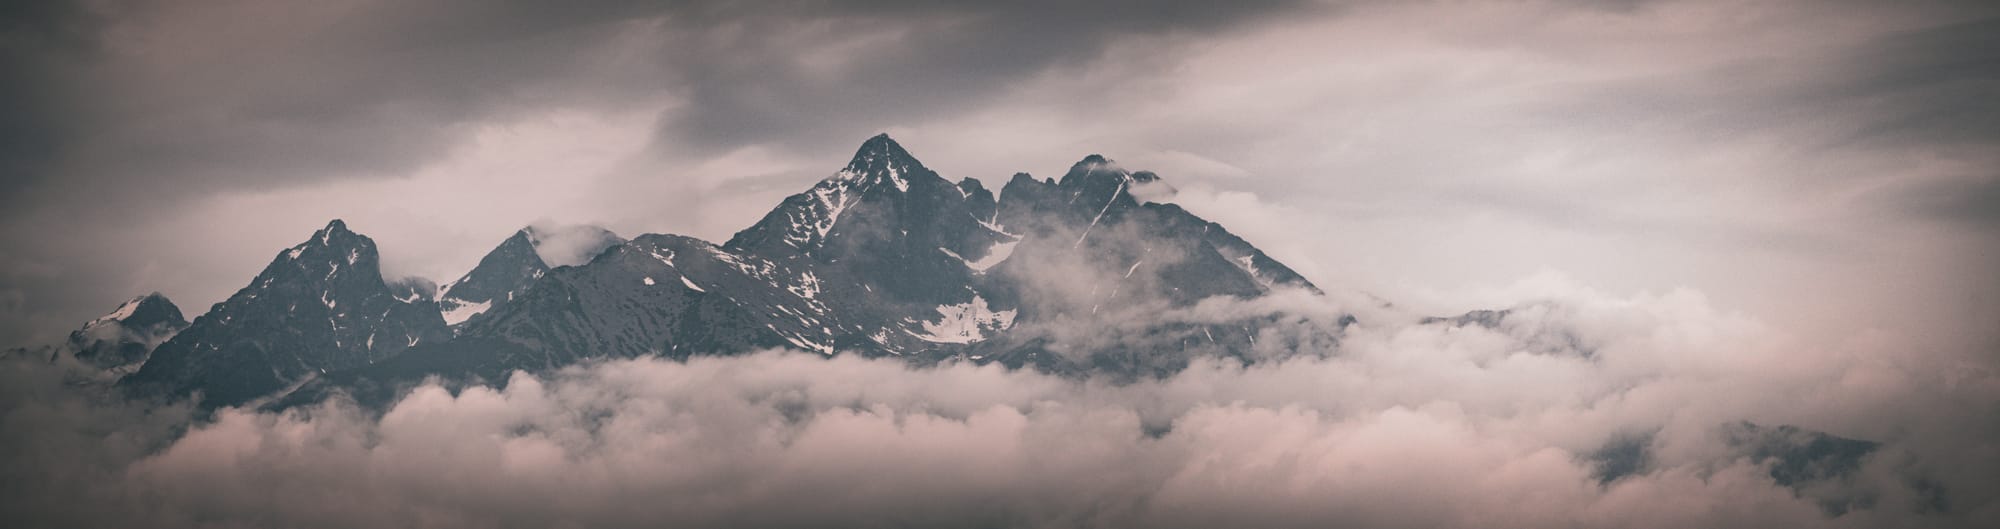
x,y
1078,276
885,258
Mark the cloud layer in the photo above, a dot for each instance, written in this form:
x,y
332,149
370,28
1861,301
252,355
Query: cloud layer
x,y
1406,425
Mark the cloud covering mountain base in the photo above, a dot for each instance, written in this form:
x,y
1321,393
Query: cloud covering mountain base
x,y
1407,423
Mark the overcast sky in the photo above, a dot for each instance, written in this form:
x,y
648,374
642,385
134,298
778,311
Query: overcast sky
x,y
1814,164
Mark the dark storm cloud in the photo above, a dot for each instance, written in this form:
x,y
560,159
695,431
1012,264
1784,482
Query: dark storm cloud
x,y
1936,84
1935,90
186,97
176,97
1925,85
40,42
931,57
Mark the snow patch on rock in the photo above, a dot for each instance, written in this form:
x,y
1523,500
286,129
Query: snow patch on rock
x,y
968,322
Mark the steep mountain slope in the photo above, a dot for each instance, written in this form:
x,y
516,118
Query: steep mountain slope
x,y
897,248
320,305
507,271
1092,258
886,221
663,295
666,295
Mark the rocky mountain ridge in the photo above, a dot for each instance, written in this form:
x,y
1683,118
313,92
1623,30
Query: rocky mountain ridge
x,y
885,257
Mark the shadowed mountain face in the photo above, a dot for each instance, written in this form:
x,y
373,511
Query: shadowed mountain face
x,y
509,269
883,258
321,305
884,242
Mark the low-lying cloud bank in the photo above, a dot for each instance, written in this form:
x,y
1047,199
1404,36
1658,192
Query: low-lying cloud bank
x,y
1578,410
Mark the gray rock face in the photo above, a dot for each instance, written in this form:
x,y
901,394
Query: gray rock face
x,y
663,295
501,274
320,305
891,238
1091,256
508,270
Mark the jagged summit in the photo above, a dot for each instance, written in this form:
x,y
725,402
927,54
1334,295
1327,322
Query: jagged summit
x,y
523,240
1093,169
877,149
1095,188
525,235
122,338
884,200
880,161
501,274
336,233
143,310
518,248
510,268
321,304
331,243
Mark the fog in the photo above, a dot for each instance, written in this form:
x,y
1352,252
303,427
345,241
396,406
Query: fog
x,y
1405,424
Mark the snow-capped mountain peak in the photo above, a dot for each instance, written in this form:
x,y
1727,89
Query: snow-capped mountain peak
x,y
880,160
122,338
882,183
143,310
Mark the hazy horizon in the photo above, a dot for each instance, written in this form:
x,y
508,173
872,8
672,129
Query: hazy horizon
x,y
1779,213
